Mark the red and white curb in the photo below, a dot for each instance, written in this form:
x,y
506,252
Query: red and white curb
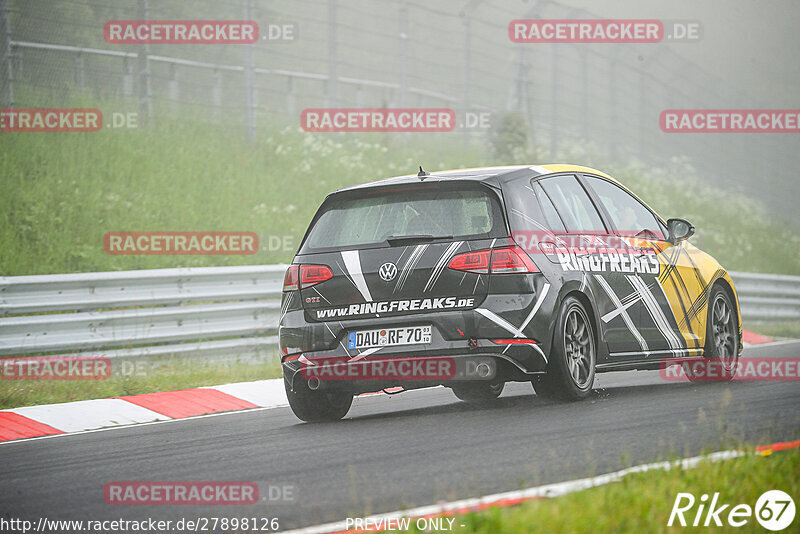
x,y
87,415
751,338
70,417
513,498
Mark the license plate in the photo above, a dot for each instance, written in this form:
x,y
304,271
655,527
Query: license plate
x,y
389,337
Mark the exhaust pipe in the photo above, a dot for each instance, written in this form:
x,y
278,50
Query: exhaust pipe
x,y
483,370
313,383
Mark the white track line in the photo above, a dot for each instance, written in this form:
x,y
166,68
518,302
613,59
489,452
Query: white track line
x,y
549,490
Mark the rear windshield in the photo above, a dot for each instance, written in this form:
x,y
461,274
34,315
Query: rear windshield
x,y
372,217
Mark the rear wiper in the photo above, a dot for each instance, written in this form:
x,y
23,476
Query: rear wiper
x,y
404,239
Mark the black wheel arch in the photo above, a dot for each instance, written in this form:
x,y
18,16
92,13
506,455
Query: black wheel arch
x,y
726,286
573,289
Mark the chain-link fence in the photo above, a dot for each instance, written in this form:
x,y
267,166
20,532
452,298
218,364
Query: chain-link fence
x,y
408,53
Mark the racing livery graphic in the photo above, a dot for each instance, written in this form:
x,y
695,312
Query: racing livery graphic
x,y
545,274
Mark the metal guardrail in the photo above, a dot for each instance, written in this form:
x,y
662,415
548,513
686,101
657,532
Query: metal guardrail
x,y
195,311
125,313
768,297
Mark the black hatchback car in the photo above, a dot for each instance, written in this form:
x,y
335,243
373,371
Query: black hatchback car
x,y
474,278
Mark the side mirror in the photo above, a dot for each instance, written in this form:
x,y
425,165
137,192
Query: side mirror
x,y
679,230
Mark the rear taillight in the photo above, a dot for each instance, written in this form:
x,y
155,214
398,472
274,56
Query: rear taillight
x,y
305,276
503,260
474,262
311,275
291,278
512,260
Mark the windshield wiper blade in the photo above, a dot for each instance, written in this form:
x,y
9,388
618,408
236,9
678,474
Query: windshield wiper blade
x,y
399,239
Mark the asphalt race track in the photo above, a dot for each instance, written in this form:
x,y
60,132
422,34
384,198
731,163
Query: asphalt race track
x,y
394,452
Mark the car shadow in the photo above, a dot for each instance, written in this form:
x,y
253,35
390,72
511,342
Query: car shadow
x,y
442,405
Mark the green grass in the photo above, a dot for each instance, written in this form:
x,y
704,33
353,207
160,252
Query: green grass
x,y
62,192
642,502
162,375
782,329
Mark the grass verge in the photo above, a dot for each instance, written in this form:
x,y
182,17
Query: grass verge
x,y
63,192
642,502
164,375
781,329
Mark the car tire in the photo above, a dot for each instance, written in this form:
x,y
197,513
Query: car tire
x,y
722,336
571,369
317,406
479,392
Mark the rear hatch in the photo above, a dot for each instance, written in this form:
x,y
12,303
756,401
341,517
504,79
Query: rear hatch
x,y
385,251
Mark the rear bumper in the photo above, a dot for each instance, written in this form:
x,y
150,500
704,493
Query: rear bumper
x,y
453,333
409,371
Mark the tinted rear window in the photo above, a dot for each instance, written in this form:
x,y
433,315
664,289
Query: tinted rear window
x,y
372,217
573,204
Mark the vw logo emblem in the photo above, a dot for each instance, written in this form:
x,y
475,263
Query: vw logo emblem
x,y
388,271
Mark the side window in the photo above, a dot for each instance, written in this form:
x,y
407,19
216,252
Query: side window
x,y
572,204
550,213
629,215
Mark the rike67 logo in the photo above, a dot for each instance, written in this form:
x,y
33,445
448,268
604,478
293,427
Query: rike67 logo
x,y
774,510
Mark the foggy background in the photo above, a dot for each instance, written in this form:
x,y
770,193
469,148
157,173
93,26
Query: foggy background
x,y
603,98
